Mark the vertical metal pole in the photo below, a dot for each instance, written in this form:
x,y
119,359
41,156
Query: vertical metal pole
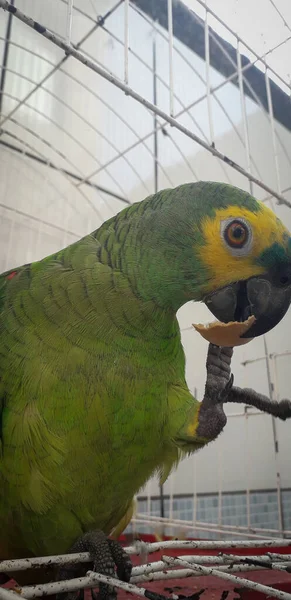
x,y
69,22
171,77
275,374
156,187
272,123
132,521
5,56
207,68
148,508
276,444
162,504
126,39
194,514
244,113
248,466
220,475
156,172
171,501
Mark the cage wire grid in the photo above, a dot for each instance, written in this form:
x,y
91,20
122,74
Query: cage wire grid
x,y
39,150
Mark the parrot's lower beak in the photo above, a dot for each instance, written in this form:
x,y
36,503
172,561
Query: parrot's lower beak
x,y
266,296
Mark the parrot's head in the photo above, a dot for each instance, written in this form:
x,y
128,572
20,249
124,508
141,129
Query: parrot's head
x,y
245,251
227,250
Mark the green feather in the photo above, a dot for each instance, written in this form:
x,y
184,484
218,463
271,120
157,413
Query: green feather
x,y
93,395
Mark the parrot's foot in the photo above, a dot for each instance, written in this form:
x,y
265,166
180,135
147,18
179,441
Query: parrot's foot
x,y
281,409
106,555
212,418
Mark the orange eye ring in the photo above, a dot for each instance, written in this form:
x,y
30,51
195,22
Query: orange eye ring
x,y
236,234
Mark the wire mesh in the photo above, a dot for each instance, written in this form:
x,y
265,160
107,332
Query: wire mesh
x,y
93,122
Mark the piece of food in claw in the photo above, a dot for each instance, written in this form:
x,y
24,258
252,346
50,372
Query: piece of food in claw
x,y
225,334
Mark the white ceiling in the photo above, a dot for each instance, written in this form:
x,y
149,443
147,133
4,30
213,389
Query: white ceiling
x,y
264,25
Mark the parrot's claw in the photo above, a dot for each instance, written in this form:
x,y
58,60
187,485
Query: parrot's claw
x,y
106,555
219,379
224,393
219,383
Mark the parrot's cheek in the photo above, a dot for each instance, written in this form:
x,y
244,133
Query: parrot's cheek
x,y
266,296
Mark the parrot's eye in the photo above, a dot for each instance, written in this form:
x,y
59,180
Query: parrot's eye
x,y
237,235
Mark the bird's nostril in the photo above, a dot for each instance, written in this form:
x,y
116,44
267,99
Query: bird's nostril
x,y
284,280
282,275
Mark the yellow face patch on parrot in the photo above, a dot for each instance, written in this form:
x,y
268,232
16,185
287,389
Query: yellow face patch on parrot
x,y
224,252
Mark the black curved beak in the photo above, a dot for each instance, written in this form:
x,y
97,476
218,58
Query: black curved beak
x,y
266,296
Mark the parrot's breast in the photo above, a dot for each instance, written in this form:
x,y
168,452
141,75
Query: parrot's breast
x,y
89,431
86,369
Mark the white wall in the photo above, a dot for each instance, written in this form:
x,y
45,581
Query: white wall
x,y
43,210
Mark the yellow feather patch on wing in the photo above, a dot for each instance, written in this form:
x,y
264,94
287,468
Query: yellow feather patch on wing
x,y
225,267
192,427
131,511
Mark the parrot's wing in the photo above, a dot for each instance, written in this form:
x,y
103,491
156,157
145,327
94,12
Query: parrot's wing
x,y
170,463
130,512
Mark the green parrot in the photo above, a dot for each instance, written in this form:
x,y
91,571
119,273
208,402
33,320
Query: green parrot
x,y
93,397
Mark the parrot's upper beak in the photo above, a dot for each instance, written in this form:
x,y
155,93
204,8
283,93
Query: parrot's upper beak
x,y
266,296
